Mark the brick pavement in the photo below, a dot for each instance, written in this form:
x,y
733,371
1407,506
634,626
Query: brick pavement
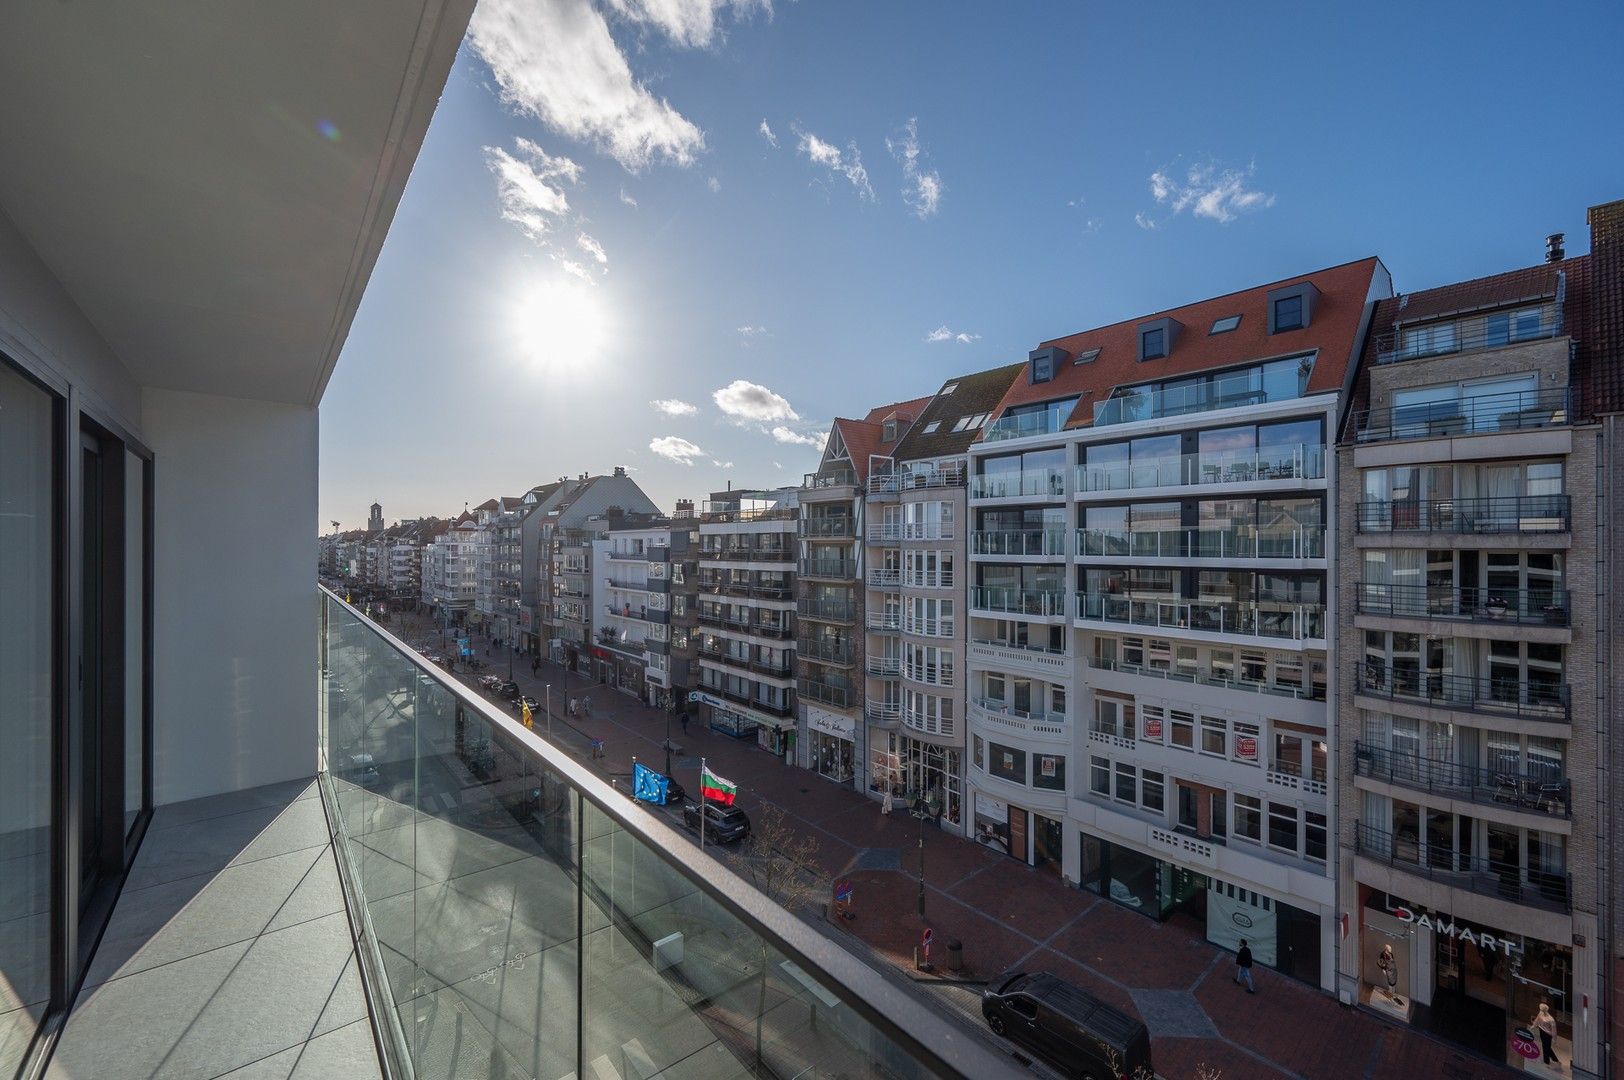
x,y
1008,914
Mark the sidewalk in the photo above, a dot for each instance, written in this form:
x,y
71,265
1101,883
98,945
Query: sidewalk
x,y
1013,916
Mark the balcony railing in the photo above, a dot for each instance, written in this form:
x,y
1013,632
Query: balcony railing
x,y
1205,677
882,667
1300,462
1480,332
718,656
1538,700
826,610
742,626
832,479
642,614
1046,422
1544,607
627,585
833,569
929,674
836,527
1494,515
1545,791
776,669
633,946
928,530
1047,603
884,577
925,626
884,621
1239,542
748,554
1226,392
1021,543
840,697
908,479
883,712
1045,483
1504,879
1284,621
1482,414
825,651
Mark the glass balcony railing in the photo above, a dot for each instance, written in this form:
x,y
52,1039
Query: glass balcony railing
x,y
1041,483
520,917
1039,602
1544,607
826,693
1480,414
1285,621
1019,543
1299,462
1487,875
1242,542
1495,514
1046,422
1544,790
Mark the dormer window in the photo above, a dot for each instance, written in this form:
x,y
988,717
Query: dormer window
x,y
1156,338
1292,307
1042,369
890,431
1288,313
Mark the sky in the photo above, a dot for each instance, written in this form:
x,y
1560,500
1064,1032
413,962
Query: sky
x,y
681,236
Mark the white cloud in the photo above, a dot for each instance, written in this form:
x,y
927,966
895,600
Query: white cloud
x,y
690,23
676,449
528,185
570,266
1144,220
555,60
674,406
923,190
592,248
776,465
750,333
722,464
747,401
795,438
848,163
627,199
767,133
1210,191
1092,225
942,333
1078,201
714,184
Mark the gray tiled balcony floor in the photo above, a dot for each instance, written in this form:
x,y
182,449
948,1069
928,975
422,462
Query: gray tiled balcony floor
x,y
228,954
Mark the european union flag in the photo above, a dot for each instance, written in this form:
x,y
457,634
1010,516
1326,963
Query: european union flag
x,y
648,785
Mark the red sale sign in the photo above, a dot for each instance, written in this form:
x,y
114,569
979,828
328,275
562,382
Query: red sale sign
x,y
1153,727
1246,747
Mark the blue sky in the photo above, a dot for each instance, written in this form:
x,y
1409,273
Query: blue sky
x,y
1068,166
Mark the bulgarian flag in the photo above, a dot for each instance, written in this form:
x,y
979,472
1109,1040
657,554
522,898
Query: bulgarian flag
x,y
716,789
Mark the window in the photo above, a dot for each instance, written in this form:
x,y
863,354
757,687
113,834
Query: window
x,y
949,388
1007,763
1225,324
963,422
1314,842
1508,326
1183,730
1288,313
1151,791
1283,827
1087,356
1248,817
1212,736
1153,344
1126,786
1099,776
1049,771
889,432
1043,367
930,428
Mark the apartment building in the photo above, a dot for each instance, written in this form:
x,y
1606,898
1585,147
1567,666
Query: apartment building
x,y
831,590
914,557
1471,754
746,620
1148,699
537,501
450,579
646,601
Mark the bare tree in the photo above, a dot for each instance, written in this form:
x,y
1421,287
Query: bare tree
x,y
779,863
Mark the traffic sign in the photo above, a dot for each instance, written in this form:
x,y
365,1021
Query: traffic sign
x,y
924,941
843,891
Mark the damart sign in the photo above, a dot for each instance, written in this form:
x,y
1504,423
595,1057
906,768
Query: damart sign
x,y
1438,925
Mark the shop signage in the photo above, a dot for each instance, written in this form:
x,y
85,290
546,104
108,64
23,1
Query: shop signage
x,y
1153,728
1425,921
830,724
1246,747
1523,1041
1046,765
696,697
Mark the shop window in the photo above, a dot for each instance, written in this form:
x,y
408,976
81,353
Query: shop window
x,y
1008,763
1249,817
1049,772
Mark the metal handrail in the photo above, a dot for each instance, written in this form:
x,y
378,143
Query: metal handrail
x,y
1494,514
834,610
937,1045
1479,414
1477,332
825,693
1207,678
1233,542
837,653
1547,607
836,526
1494,697
1484,875
841,569
1292,622
1543,792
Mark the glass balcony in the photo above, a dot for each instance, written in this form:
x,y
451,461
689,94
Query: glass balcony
x,y
1044,483
1494,515
1244,542
832,569
1019,543
825,650
825,693
1542,791
1505,879
1047,422
834,527
1281,621
826,610
1543,607
1039,602
520,917
1300,462
1253,387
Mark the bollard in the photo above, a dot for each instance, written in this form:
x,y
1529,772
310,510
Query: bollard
x,y
955,954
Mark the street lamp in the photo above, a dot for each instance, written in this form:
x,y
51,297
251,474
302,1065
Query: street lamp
x,y
922,811
549,696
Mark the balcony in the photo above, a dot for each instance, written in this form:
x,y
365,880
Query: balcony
x,y
929,674
1046,484
884,577
1538,607
834,527
884,713
1024,425
1235,391
928,530
908,480
1545,791
1273,464
1542,700
1277,621
627,585
825,651
839,611
1201,677
888,533
718,621
826,693
1508,514
748,554
924,626
1020,544
1241,543
727,659
885,622
1003,656
1464,335
454,791
1002,715
641,614
1484,875
1483,414
781,668
828,569
1040,603
882,667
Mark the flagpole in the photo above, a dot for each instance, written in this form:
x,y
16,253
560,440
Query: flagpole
x,y
701,804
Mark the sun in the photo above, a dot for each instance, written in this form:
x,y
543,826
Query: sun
x,y
561,326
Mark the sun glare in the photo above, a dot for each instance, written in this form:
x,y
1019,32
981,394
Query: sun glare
x,y
562,326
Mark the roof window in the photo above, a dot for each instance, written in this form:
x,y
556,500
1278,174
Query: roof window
x,y
1224,325
930,428
949,388
1087,356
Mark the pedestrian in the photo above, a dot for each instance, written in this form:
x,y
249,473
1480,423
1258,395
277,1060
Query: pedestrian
x,y
535,665
1243,967
586,706
1545,1024
685,723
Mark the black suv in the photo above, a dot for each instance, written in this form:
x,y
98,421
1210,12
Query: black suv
x,y
509,690
724,824
1066,1026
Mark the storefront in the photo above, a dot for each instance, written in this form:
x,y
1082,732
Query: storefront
x,y
1281,936
777,739
618,671
1475,985
722,717
1001,826
833,744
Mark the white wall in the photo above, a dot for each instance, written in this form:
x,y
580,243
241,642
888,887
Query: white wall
x,y
234,666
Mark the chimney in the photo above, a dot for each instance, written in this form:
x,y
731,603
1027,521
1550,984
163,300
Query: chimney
x,y
620,470
685,508
1553,248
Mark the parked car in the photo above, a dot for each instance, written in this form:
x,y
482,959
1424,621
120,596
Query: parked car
x,y
1066,1026
724,824
509,690
522,700
489,683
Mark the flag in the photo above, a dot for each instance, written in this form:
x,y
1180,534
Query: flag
x,y
648,785
524,714
716,789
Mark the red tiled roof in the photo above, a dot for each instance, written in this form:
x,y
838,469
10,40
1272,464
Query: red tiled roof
x,y
1333,331
865,437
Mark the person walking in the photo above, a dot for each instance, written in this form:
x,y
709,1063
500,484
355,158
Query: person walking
x,y
1545,1024
586,706
1243,967
685,724
535,665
